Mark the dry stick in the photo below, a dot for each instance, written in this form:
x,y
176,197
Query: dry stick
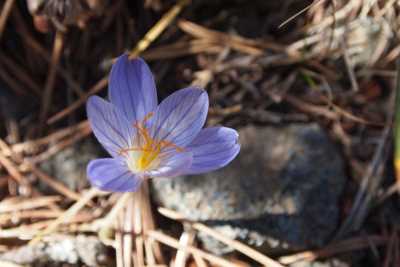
x,y
389,4
246,250
12,83
21,74
158,28
51,138
150,36
13,170
352,244
310,108
371,181
172,242
100,85
351,6
48,90
29,214
199,261
238,43
38,214
183,48
32,43
349,67
5,12
186,239
368,187
104,226
300,12
53,183
54,149
8,205
67,215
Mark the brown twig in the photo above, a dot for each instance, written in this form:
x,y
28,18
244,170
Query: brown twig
x,y
48,90
100,85
5,12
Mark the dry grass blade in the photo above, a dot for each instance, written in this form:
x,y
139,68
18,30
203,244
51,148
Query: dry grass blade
x,y
246,250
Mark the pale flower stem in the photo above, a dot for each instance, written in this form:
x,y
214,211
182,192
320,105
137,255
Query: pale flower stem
x,y
148,220
138,226
128,231
119,242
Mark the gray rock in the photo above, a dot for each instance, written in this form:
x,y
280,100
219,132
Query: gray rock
x,y
328,263
280,193
69,165
61,249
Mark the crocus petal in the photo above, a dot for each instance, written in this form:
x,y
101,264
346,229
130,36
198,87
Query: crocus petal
x,y
109,125
212,149
132,88
180,117
172,164
112,175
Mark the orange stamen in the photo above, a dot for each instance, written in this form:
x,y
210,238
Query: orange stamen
x,y
150,148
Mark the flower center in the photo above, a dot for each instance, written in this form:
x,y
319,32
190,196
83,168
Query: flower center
x,y
145,156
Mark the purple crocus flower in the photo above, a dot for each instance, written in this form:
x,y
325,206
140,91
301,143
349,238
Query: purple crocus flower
x,y
149,140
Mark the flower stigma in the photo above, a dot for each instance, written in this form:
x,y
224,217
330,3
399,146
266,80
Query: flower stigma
x,y
145,155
